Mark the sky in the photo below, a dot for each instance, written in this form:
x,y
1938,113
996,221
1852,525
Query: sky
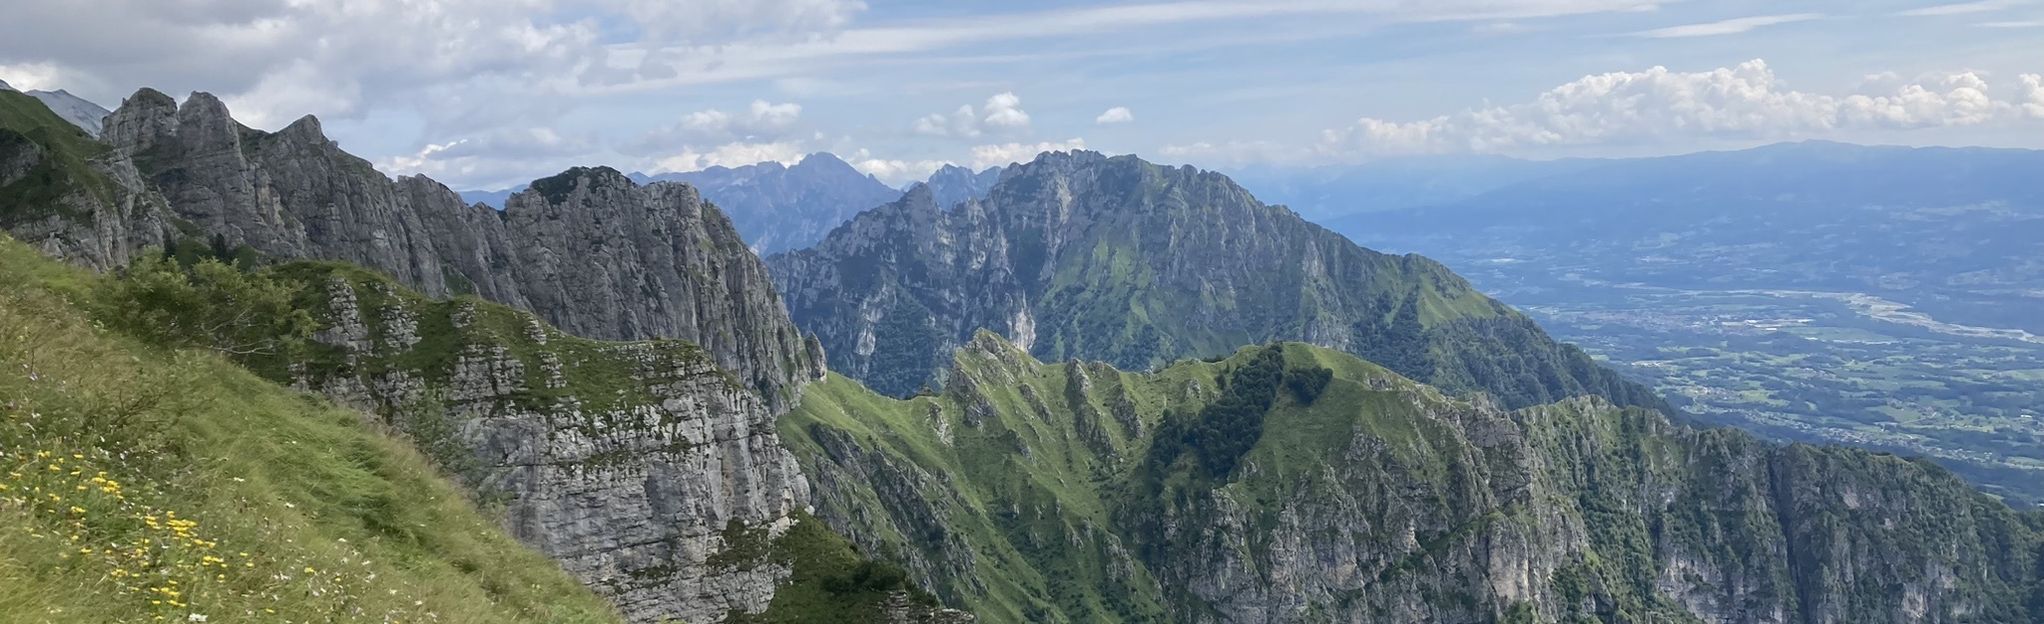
x,y
484,94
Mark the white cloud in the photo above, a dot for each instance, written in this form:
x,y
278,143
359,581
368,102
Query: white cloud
x,y
1959,8
1230,153
1116,115
32,76
1725,27
762,117
1002,112
725,20
2013,24
1003,154
259,53
497,159
735,154
894,172
292,91
762,122
1746,102
961,123
1499,29
2033,95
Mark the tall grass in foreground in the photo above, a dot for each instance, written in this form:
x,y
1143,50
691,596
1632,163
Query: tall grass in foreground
x,y
139,484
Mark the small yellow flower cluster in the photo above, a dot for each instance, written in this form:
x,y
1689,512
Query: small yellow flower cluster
x,y
100,524
168,566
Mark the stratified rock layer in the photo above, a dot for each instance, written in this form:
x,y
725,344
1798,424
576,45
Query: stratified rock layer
x,y
632,464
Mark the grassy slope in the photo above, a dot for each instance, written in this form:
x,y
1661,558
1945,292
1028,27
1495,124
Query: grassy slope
x,y
1106,292
1102,303
1038,489
263,425
831,578
1017,506
302,512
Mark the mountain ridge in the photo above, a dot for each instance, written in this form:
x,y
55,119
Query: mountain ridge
x,y
1078,255
1060,492
681,271
188,180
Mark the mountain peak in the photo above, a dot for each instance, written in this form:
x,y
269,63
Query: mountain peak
x,y
201,102
306,127
147,96
556,188
822,159
1070,158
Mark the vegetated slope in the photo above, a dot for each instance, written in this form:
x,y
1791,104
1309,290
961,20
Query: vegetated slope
x,y
564,433
1077,255
647,472
68,194
1293,483
140,484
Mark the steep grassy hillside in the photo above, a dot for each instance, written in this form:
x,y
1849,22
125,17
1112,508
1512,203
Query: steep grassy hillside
x,y
63,151
1297,483
559,435
141,484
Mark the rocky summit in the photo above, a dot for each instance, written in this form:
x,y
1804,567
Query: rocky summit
x,y
587,250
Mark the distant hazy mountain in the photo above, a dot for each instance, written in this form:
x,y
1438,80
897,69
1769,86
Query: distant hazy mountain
x,y
494,199
1330,192
74,109
779,208
1958,228
952,184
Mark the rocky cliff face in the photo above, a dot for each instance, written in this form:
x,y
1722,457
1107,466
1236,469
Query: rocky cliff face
x,y
68,195
587,250
1079,493
780,208
632,464
1116,259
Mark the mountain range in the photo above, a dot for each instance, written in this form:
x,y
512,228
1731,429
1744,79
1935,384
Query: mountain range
x,y
778,207
1078,255
1300,429
781,208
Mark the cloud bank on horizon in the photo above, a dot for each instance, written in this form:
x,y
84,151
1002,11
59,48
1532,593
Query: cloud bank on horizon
x,y
490,93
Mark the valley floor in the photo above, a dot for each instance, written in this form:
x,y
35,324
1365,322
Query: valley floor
x,y
1811,365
